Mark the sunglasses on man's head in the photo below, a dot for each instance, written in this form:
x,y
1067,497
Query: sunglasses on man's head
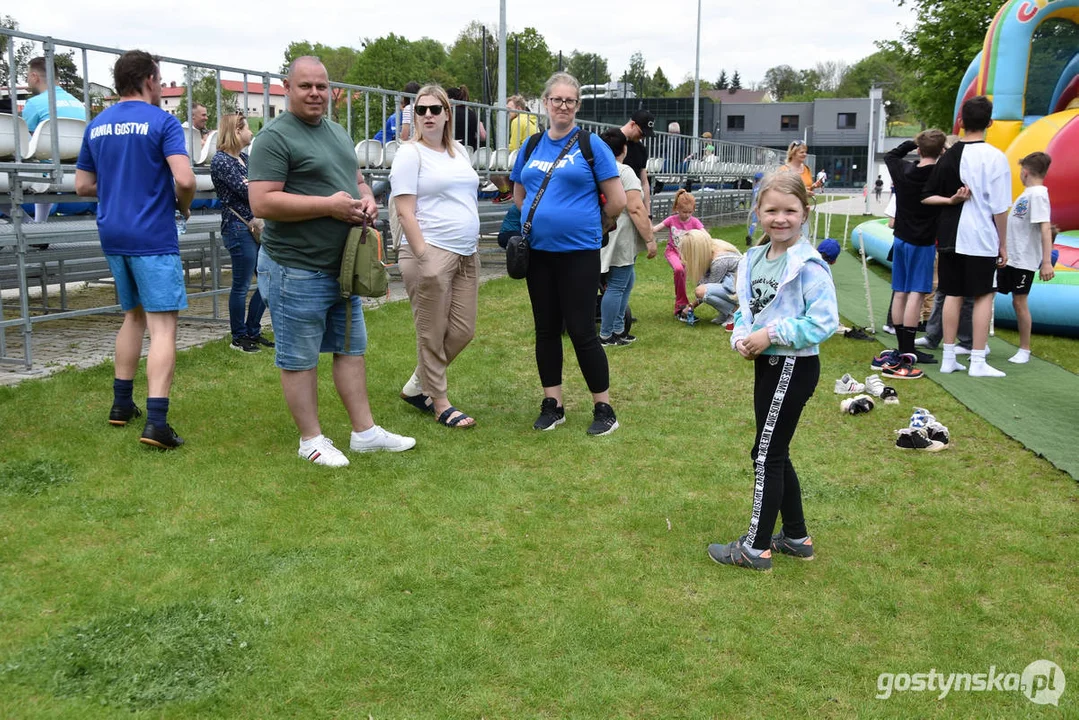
x,y
422,110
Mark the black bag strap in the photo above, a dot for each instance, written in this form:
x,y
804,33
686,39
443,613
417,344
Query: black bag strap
x,y
526,227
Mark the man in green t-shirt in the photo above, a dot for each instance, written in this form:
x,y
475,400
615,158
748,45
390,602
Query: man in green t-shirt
x,y
304,181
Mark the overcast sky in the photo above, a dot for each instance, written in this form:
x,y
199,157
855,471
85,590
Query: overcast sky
x,y
748,35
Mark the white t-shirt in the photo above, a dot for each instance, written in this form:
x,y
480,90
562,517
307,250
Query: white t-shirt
x,y
446,195
1024,231
622,249
892,207
985,170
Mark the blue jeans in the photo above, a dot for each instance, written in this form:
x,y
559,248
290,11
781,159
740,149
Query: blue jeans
x,y
244,252
719,296
308,315
612,309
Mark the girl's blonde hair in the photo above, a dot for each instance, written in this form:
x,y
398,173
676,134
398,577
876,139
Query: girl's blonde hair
x,y
697,248
786,183
228,133
439,94
684,201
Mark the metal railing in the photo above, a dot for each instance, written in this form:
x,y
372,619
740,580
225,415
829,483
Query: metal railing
x,y
363,111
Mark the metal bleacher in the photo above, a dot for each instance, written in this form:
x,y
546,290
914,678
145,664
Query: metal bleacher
x,y
42,263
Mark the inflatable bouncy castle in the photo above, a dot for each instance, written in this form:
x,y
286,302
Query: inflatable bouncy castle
x,y
1035,99
1029,68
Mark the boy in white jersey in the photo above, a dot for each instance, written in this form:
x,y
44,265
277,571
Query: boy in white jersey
x,y
1030,245
972,183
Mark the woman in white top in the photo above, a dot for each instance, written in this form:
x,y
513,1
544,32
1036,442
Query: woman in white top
x,y
435,191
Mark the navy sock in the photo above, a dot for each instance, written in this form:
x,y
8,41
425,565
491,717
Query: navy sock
x,y
157,411
121,392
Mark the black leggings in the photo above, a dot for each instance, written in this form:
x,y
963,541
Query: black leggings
x,y
781,388
562,287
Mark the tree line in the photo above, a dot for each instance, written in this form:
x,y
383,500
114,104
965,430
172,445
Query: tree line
x,y
919,71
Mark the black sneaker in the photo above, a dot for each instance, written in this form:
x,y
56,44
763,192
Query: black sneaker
x,y
628,338
261,339
551,415
246,345
161,436
916,439
857,333
603,420
614,340
937,432
924,358
801,550
119,415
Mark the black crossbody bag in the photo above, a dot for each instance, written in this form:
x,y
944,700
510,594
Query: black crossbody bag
x,y
518,247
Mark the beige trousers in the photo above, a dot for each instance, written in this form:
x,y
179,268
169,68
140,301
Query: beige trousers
x,y
443,288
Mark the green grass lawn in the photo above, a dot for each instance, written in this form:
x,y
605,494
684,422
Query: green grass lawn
x,y
504,573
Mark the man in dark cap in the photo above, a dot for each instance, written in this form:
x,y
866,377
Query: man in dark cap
x,y
641,125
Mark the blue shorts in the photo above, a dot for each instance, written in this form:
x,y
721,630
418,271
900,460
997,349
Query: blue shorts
x,y
308,315
156,282
912,267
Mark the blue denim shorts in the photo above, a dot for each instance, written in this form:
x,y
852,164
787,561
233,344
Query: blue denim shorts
x,y
308,314
156,282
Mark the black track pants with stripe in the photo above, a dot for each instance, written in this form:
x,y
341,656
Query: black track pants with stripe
x,y
781,388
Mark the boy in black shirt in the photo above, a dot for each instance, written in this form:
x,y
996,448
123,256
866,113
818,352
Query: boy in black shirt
x,y
914,249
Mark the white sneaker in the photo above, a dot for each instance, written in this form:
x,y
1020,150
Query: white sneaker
x,y
874,385
320,451
383,440
921,418
923,341
847,385
889,329
1022,357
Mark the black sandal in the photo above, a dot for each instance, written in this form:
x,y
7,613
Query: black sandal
x,y
420,401
444,418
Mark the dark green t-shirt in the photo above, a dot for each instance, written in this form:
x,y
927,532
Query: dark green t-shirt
x,y
313,160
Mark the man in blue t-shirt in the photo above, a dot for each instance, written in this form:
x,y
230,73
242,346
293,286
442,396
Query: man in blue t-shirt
x,y
36,110
134,159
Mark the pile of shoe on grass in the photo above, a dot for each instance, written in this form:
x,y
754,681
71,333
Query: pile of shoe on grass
x,y
923,432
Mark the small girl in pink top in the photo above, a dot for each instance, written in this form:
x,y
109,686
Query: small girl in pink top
x,y
678,224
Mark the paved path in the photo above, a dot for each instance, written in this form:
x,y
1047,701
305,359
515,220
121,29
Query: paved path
x,y
855,205
88,341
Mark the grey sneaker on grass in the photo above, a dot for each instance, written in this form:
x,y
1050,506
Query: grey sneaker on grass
x,y
803,550
734,553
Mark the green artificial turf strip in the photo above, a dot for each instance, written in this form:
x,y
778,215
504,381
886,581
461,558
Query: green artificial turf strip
x,y
1037,403
501,572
